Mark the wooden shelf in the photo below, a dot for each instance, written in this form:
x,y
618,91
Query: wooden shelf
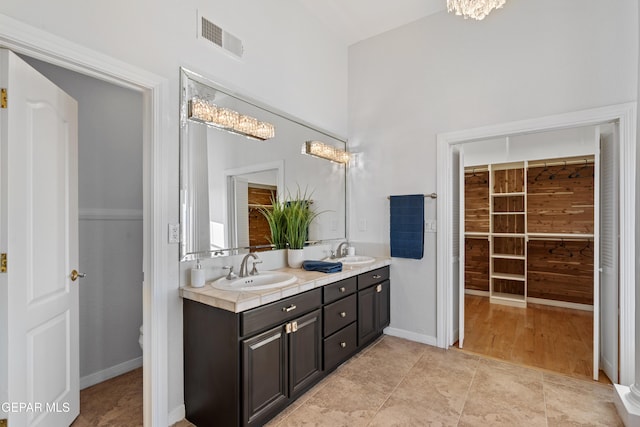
x,y
507,256
560,236
508,234
508,213
507,276
475,234
514,297
507,194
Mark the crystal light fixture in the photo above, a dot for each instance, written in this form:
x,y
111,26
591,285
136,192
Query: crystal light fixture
x,y
204,111
476,9
325,151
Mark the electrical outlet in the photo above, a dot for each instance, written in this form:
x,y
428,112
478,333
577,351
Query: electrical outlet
x,y
430,226
362,224
174,233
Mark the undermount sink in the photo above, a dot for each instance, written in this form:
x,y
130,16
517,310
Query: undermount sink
x,y
352,259
265,280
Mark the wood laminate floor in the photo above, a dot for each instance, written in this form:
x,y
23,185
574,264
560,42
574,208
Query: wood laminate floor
x,y
113,403
552,338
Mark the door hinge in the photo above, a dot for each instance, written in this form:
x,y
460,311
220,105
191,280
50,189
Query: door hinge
x,y
3,104
3,269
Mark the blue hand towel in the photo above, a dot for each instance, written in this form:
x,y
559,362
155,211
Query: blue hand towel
x,y
322,266
407,226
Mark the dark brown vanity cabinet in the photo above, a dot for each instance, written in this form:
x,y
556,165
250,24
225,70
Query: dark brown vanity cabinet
x,y
373,304
280,363
241,369
340,322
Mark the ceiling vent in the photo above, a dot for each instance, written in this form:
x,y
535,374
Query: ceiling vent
x,y
221,38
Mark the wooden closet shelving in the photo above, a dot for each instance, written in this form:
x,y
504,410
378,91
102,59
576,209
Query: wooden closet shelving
x,y
537,223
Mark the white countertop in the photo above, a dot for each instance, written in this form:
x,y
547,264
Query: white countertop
x,y
238,301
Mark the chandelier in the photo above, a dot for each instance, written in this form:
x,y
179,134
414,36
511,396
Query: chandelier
x,y
476,9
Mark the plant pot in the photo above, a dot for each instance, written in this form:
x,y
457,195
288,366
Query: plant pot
x,y
295,257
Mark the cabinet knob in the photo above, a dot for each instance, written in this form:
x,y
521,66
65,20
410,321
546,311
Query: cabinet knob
x,y
290,308
376,276
343,289
379,288
343,344
343,314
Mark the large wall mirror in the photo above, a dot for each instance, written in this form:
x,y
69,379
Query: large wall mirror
x,y
228,173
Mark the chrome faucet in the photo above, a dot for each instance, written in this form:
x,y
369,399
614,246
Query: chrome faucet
x,y
243,266
340,250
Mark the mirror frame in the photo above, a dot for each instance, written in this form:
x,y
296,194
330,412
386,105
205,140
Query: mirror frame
x,y
187,75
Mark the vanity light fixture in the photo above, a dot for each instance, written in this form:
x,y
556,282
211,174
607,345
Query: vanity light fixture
x,y
207,112
475,9
325,151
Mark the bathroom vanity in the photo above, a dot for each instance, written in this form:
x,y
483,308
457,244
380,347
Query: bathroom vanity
x,y
247,356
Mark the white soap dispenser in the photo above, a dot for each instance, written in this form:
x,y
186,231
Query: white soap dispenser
x,y
197,276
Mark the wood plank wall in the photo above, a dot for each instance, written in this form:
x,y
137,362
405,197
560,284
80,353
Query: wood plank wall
x,y
476,202
259,230
558,201
560,270
476,264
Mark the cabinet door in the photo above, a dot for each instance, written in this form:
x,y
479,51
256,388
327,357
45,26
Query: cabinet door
x,y
384,307
305,352
264,374
367,315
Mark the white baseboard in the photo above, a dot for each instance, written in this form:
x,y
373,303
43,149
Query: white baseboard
x,y
562,304
107,374
176,415
411,336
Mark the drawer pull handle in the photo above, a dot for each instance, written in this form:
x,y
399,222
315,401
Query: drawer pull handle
x,y
343,314
343,344
343,289
288,309
376,276
379,288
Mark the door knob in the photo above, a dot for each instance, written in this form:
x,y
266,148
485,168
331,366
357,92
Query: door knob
x,y
75,275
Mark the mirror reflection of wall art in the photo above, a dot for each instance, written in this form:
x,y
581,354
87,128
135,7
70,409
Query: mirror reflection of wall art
x,y
236,152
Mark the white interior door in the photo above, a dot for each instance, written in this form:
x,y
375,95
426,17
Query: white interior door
x,y
609,248
457,279
39,223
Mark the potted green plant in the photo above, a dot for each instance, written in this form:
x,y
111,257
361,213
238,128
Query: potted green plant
x,y
274,215
298,216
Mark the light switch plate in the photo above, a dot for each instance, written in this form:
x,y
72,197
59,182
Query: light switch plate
x,y
430,226
174,233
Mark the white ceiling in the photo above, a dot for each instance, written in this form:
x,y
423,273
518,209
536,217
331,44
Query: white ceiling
x,y
355,20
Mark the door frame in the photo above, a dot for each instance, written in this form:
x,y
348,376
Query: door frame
x,y
39,44
625,116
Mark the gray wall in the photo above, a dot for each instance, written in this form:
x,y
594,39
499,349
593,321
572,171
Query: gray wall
x,y
443,73
110,204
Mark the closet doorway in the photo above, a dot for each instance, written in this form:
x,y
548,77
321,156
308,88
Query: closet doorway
x,y
450,240
532,231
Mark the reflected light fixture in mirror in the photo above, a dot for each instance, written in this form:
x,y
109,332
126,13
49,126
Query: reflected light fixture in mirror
x,y
207,112
325,151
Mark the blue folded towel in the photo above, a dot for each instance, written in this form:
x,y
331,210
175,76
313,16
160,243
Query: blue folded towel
x,y
322,266
407,226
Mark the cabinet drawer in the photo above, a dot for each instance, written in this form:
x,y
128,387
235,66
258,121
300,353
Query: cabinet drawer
x,y
339,314
340,346
279,312
372,277
339,289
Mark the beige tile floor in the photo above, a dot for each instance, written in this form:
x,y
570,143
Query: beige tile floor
x,y
396,382
402,383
